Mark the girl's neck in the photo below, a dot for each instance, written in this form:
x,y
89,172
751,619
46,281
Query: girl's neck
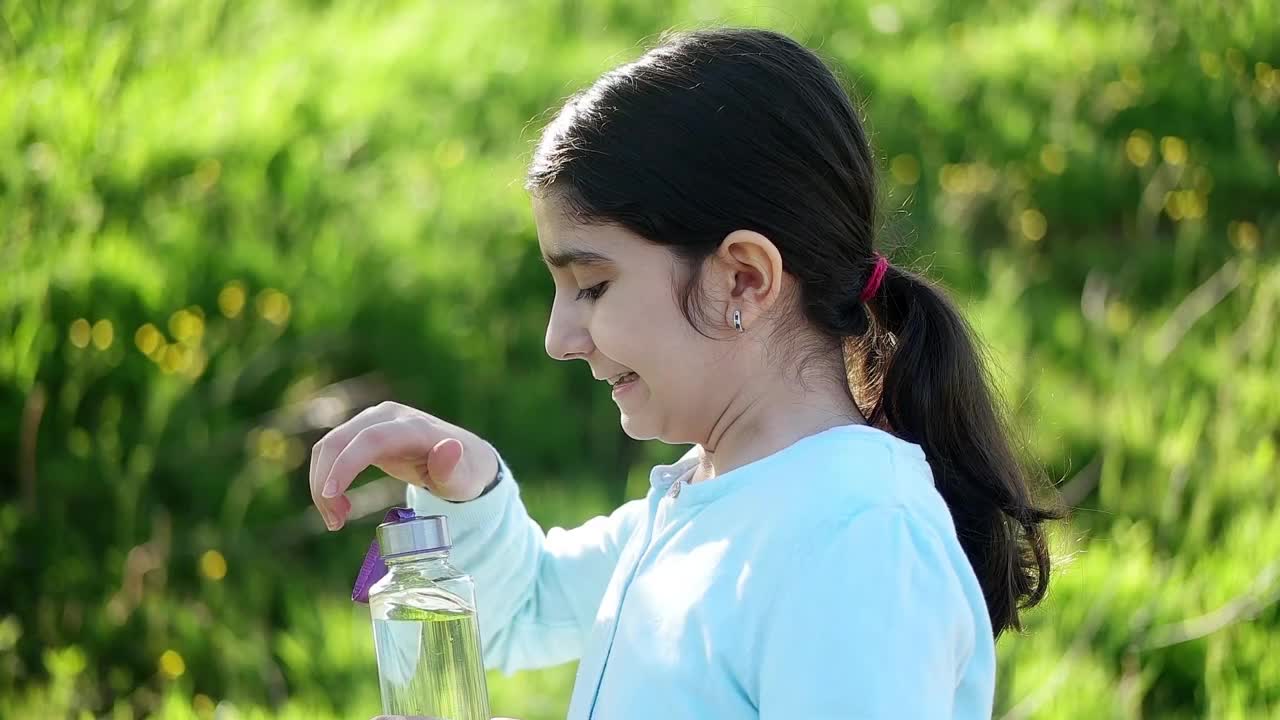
x,y
759,425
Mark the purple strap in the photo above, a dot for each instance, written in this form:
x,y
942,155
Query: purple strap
x,y
373,568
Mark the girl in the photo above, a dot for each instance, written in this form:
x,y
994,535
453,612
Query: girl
x,y
849,532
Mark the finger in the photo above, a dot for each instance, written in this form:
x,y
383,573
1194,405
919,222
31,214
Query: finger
x,y
444,459
335,508
326,451
389,440
341,509
321,456
311,481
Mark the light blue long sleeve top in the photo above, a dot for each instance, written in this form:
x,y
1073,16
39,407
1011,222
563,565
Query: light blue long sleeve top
x,y
823,581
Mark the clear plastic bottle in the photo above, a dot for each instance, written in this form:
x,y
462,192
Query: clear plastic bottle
x,y
425,630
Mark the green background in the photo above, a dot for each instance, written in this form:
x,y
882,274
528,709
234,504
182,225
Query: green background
x,y
227,226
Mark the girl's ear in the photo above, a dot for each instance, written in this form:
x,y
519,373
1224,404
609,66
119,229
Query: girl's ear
x,y
749,271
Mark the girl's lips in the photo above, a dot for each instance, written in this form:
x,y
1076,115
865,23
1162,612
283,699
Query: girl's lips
x,y
622,387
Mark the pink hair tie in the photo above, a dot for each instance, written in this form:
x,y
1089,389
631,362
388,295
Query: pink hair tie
x,y
873,282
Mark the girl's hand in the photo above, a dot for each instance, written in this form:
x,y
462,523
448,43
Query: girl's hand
x,y
410,445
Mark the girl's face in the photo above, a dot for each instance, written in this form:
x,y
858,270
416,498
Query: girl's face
x,y
615,307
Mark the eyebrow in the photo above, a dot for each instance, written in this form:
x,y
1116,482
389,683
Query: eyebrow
x,y
585,258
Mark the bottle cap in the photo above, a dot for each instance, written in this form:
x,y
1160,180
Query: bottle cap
x,y
414,535
402,532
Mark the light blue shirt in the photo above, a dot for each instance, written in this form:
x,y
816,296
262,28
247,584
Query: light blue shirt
x,y
823,581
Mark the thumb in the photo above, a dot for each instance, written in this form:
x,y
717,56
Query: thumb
x,y
442,461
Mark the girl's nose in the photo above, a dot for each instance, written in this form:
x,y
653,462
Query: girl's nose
x,y
566,338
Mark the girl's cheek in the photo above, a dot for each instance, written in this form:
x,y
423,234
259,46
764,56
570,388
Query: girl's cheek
x,y
602,335
605,320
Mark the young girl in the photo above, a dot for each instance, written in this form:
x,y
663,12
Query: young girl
x,y
850,531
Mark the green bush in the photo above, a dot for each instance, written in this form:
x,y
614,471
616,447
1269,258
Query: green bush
x,y
229,225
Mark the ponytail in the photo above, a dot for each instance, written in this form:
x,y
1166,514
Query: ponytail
x,y
933,391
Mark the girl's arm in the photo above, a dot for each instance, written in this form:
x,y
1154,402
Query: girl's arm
x,y
536,593
876,623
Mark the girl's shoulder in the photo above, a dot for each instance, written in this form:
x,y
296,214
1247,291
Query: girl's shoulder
x,y
843,482
852,468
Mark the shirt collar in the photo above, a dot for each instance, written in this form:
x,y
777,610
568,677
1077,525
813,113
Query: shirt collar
x,y
662,476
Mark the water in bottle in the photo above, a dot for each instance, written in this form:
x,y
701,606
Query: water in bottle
x,y
426,633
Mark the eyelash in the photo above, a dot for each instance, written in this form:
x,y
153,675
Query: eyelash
x,y
592,293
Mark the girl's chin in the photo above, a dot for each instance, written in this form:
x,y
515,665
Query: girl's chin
x,y
636,426
637,433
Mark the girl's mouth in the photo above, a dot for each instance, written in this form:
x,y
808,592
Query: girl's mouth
x,y
624,383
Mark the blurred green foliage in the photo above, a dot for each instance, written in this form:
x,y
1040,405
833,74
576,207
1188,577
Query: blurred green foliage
x,y
227,226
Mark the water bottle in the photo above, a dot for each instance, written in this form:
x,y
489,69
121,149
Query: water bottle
x,y
425,630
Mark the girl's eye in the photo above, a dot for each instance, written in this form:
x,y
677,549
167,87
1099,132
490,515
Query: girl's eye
x,y
592,293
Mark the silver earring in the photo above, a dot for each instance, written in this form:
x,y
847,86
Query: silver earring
x,y
737,320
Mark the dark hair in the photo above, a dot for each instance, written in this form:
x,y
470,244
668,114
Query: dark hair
x,y
725,129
